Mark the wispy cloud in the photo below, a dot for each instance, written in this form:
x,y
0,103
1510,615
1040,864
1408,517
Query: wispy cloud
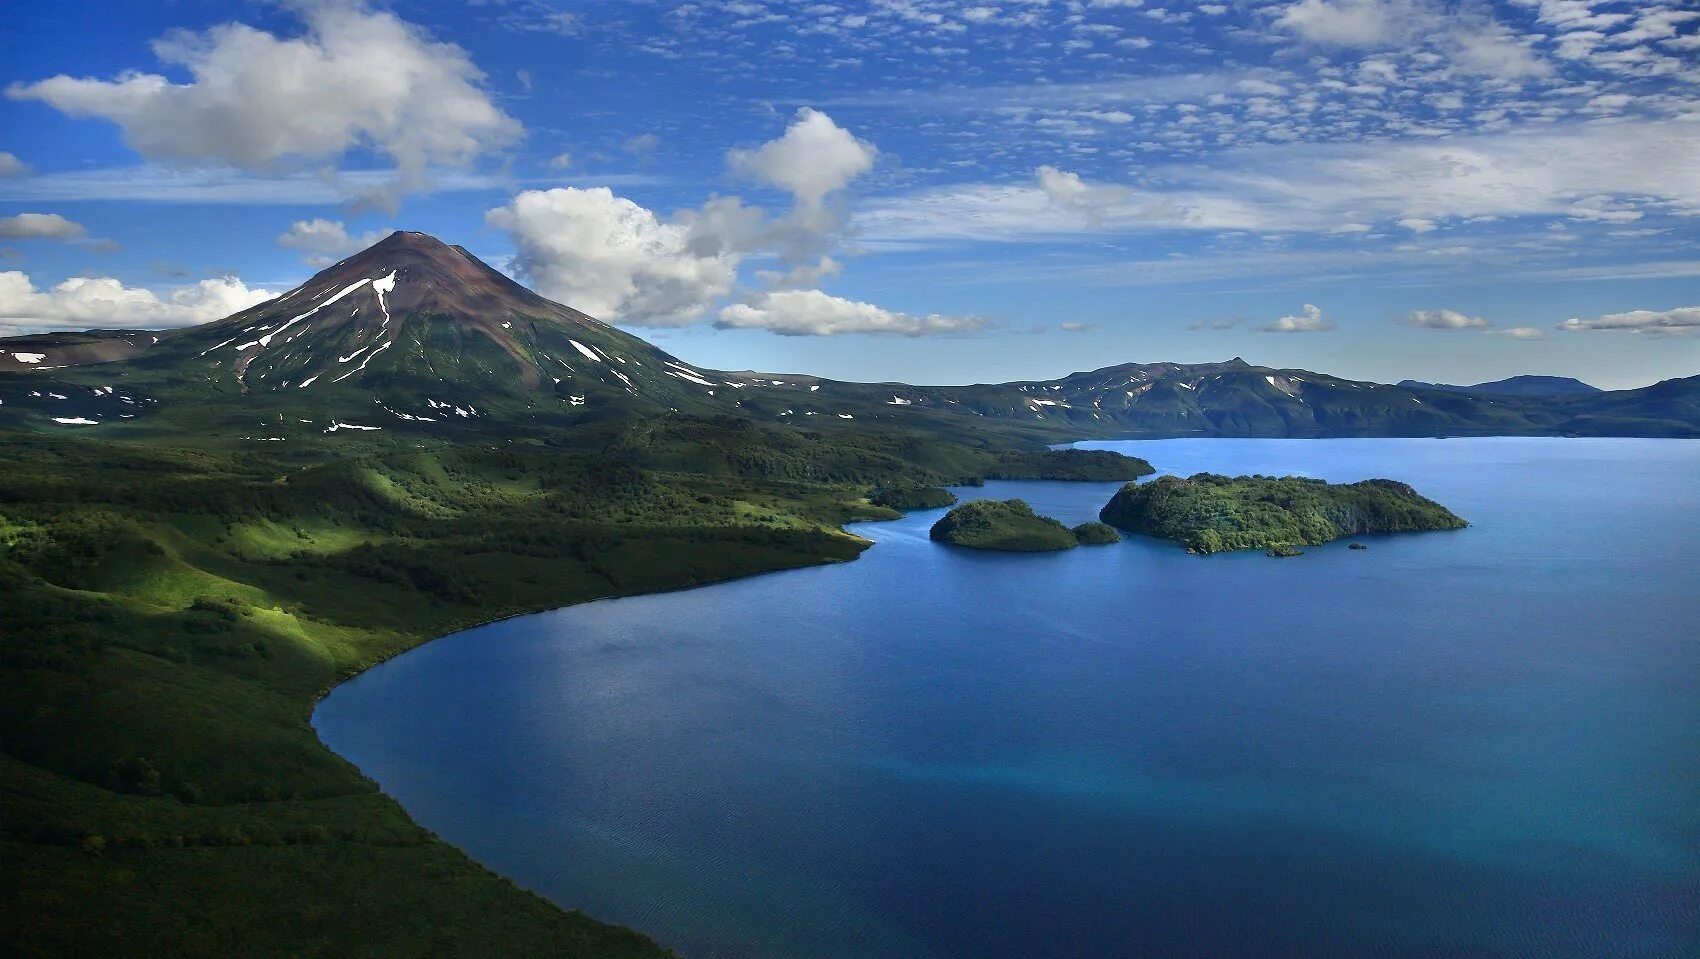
x,y
151,183
1569,172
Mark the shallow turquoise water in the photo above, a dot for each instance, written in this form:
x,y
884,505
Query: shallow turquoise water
x,y
1476,743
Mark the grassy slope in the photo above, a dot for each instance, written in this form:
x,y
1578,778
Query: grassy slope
x,y
1208,513
171,615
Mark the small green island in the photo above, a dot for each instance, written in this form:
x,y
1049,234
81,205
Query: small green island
x,y
1009,525
913,497
1096,534
1012,525
1209,513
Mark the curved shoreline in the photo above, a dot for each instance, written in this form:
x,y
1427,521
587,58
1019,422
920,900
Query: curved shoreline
x,y
566,659
321,695
866,544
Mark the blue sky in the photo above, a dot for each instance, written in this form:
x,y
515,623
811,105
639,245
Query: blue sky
x,y
927,191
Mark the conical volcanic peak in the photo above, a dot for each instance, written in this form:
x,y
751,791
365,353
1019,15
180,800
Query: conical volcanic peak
x,y
417,330
432,276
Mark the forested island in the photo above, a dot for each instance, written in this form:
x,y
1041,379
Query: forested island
x,y
1209,513
1009,525
1096,534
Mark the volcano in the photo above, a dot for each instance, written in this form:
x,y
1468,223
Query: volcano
x,y
415,336
412,330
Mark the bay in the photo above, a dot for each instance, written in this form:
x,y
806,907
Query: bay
x,y
1474,743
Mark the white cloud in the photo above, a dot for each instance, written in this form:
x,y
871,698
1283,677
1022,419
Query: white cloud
x,y
642,143
103,302
1356,23
1445,320
1519,333
611,258
156,183
1672,322
1558,171
354,79
1075,327
323,242
1068,190
814,313
1466,39
614,259
1310,321
40,226
10,165
813,159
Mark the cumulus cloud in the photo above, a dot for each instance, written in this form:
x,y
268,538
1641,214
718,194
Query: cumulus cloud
x,y
323,242
815,157
611,258
1072,326
1673,322
1519,333
814,313
40,226
10,165
801,275
103,302
355,79
1445,320
1310,320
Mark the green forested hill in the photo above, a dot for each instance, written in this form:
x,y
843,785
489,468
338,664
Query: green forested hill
x,y
1009,525
172,613
1208,513
171,616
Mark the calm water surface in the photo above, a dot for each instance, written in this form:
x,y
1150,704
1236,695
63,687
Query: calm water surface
x,y
1480,743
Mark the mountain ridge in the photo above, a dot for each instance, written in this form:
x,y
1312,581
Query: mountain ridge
x,y
1523,384
415,336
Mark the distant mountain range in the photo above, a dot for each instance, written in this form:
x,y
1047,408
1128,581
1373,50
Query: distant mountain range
x,y
412,336
1515,386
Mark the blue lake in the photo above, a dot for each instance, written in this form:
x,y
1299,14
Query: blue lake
x,y
1479,743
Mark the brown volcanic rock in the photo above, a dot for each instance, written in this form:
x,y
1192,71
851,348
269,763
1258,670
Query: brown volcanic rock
x,y
414,315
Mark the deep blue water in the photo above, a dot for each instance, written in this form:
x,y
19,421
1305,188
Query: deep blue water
x,y
1479,743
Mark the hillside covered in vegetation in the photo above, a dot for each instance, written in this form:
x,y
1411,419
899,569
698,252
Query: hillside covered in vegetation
x,y
173,610
1009,525
1208,513
913,497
